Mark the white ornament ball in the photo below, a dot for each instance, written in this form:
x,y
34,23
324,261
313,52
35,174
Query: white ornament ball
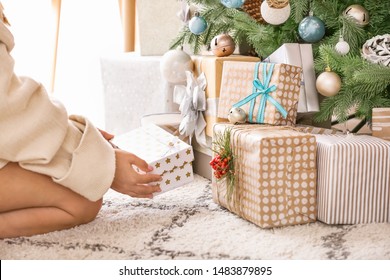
x,y
236,115
275,16
174,64
328,83
342,47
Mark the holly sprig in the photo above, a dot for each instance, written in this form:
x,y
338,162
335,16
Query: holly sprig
x,y
223,161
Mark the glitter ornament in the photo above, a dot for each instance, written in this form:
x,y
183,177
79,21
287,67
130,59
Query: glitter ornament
x,y
234,4
174,64
197,24
311,29
222,45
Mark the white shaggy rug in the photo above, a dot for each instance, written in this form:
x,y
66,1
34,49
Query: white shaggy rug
x,y
186,224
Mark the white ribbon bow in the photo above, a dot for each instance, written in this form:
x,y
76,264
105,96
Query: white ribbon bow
x,y
192,100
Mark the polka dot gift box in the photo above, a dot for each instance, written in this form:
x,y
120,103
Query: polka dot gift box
x,y
171,157
268,92
275,175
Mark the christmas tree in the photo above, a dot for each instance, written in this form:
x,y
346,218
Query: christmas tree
x,y
355,44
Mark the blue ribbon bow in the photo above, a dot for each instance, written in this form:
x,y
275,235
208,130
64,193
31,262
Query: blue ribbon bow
x,y
264,90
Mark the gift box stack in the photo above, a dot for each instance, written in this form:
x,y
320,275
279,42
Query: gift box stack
x,y
340,179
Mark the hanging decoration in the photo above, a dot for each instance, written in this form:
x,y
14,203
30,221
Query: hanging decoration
x,y
328,83
377,50
222,45
311,29
342,47
358,13
234,4
174,64
275,12
197,24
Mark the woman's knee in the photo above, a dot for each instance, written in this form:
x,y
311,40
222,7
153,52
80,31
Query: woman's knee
x,y
85,211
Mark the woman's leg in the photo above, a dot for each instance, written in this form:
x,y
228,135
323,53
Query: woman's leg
x,y
31,203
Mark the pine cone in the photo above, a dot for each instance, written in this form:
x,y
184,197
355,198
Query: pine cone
x,y
377,50
252,8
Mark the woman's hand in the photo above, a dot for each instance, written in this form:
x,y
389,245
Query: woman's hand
x,y
128,181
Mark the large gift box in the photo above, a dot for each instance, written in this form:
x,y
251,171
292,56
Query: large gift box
x,y
300,55
381,123
212,67
353,179
170,157
275,175
267,92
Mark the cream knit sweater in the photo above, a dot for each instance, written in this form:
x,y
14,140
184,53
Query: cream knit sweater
x,y
37,133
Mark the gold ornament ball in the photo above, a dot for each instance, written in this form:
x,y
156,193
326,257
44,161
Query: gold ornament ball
x,y
359,13
328,83
222,45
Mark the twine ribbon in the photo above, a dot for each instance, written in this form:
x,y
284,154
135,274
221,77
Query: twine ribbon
x,y
263,90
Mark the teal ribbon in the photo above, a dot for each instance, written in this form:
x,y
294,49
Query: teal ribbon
x,y
262,90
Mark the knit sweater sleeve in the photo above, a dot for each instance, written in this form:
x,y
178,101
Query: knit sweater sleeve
x,y
37,133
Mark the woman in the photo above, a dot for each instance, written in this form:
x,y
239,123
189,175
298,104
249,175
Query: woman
x,y
54,168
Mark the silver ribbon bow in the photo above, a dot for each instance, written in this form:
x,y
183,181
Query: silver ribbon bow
x,y
192,100
184,14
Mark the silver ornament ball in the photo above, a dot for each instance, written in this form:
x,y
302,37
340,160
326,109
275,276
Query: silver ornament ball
x,y
328,83
236,115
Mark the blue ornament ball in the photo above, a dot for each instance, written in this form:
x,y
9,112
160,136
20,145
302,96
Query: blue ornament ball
x,y
197,25
311,29
234,4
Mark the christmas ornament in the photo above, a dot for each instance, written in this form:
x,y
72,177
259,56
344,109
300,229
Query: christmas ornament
x,y
252,8
328,83
275,12
197,24
234,4
223,162
311,29
222,45
342,47
358,13
236,115
174,64
377,50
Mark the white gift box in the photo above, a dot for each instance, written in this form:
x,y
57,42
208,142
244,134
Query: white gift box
x,y
300,55
157,25
170,157
353,179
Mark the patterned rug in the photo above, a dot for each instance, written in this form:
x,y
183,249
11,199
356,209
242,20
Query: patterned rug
x,y
186,224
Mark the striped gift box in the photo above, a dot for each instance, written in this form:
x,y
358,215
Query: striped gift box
x,y
353,179
381,123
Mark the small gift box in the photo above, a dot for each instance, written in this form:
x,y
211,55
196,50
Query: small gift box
x,y
212,67
300,55
267,92
273,183
170,157
353,179
381,123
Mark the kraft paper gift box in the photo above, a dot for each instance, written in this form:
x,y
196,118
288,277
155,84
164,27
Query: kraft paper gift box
x,y
275,175
170,157
353,179
267,92
381,123
212,67
300,55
